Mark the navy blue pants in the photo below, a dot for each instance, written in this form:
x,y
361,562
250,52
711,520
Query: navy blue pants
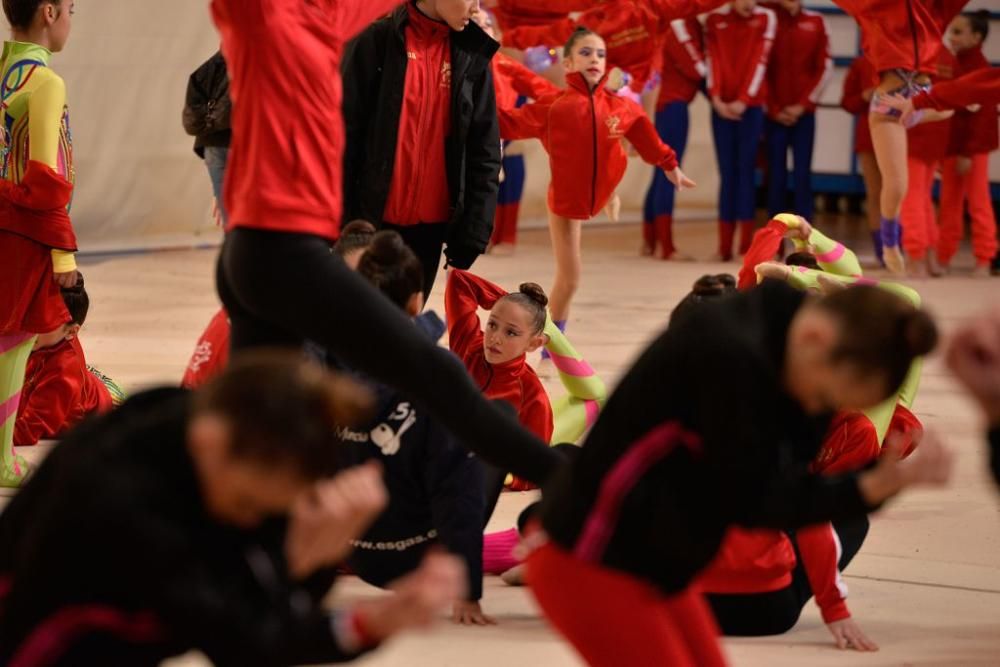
x,y
672,125
800,138
736,143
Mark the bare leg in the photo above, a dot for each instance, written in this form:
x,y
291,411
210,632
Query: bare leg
x,y
565,235
873,189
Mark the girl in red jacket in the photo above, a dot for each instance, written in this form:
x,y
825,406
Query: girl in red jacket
x,y
738,44
582,129
902,39
859,86
59,388
683,71
965,174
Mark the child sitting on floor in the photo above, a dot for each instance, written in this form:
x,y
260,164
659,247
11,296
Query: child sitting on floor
x,y
59,388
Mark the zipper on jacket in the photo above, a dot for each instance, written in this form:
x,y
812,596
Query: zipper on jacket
x,y
593,180
489,378
913,32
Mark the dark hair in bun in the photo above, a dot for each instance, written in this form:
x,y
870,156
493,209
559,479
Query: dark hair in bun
x,y
706,288
577,35
532,298
802,259
77,300
392,267
880,332
356,235
979,22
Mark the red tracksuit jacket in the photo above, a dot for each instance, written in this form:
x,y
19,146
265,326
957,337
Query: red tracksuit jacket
x,y
902,34
973,133
683,65
211,354
801,64
514,382
739,49
283,58
979,87
582,130
419,189
511,80
860,77
632,30
58,392
517,13
929,141
761,561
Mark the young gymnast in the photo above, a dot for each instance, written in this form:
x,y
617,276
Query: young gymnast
x,y
209,522
59,388
680,79
423,150
903,41
859,86
211,352
799,70
585,173
436,494
738,46
675,460
37,241
965,178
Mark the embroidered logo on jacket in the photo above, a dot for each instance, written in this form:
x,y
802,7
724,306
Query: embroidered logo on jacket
x,y
614,127
387,436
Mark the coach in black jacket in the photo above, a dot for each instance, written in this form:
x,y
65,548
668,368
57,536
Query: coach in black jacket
x,y
374,70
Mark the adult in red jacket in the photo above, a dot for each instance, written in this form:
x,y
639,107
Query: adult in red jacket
x,y
277,278
927,147
800,68
584,173
738,44
965,177
859,86
902,39
682,75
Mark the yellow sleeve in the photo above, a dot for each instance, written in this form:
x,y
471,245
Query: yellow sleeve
x,y
46,107
63,261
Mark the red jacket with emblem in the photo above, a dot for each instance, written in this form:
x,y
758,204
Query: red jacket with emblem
x,y
902,34
739,50
582,130
801,64
59,391
973,132
211,354
684,65
517,13
514,382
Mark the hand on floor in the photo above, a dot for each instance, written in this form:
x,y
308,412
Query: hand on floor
x,y
470,613
849,635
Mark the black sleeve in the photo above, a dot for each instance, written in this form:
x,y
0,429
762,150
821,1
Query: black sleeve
x,y
468,239
361,76
792,501
197,98
454,482
995,453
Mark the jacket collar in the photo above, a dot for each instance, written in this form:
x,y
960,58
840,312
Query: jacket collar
x,y
473,40
576,81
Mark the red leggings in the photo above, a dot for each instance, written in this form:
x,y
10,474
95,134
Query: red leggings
x,y
613,619
920,230
956,190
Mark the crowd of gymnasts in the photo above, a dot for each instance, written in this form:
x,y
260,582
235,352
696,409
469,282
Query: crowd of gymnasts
x,y
321,428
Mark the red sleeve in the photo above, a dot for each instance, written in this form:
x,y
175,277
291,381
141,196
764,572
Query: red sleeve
x,y
766,243
211,354
761,56
553,6
54,394
821,69
536,411
524,81
463,296
668,10
525,37
820,551
527,122
712,55
642,134
851,99
979,87
685,50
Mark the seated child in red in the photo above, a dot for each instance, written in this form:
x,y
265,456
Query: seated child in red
x,y
59,389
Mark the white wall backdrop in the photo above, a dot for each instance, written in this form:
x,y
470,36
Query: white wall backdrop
x,y
140,185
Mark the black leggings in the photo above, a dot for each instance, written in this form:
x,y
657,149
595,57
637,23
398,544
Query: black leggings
x,y
777,612
281,289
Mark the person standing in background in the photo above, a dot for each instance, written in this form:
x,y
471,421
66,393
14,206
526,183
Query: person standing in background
x,y
799,71
206,118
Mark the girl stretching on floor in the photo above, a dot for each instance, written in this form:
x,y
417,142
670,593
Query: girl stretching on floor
x,y
713,427
582,128
902,41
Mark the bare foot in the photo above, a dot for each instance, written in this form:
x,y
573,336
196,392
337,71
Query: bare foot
x,y
514,576
503,250
894,260
646,250
723,259
774,270
677,256
614,208
981,271
934,268
919,271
